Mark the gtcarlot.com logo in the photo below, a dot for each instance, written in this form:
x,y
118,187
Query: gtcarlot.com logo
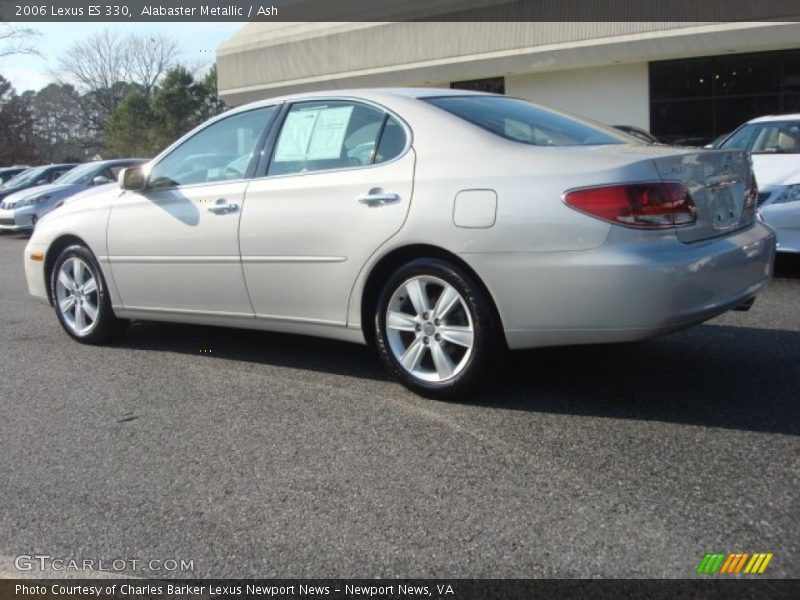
x,y
733,563
45,562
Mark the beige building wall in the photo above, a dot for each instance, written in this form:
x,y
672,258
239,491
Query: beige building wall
x,y
614,94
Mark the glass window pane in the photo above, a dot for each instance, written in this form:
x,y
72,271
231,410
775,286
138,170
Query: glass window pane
x,y
527,123
393,141
317,136
220,152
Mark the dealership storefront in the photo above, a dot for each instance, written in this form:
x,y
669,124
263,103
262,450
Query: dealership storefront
x,y
686,82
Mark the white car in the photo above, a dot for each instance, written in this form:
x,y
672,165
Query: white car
x,y
440,226
774,144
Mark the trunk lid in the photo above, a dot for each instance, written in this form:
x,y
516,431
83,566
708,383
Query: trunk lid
x,y
718,182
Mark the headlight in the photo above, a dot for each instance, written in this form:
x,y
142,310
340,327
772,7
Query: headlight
x,y
30,201
790,194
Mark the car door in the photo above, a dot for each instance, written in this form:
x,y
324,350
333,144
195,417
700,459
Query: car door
x,y
174,247
338,184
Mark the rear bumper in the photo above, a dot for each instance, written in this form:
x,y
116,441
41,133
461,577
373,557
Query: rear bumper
x,y
627,290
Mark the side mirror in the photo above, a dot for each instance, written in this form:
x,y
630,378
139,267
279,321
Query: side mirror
x,y
132,179
100,180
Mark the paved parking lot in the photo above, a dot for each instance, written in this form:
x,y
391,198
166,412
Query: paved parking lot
x,y
257,454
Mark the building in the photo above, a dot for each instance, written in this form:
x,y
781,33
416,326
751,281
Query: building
x,y
686,82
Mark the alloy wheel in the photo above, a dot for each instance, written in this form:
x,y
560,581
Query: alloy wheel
x,y
429,328
77,295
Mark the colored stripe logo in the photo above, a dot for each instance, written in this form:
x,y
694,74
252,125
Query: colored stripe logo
x,y
734,563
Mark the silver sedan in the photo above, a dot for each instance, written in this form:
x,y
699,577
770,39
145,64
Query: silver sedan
x,y
442,227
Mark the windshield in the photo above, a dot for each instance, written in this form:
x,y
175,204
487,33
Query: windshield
x,y
25,177
527,123
771,137
80,174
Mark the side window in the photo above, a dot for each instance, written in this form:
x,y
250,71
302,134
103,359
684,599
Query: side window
x,y
324,135
392,141
220,152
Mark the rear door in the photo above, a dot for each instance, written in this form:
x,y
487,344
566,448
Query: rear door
x,y
337,186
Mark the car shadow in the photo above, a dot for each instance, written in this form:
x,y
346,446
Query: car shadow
x,y
712,375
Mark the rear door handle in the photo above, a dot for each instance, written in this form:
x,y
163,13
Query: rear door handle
x,y
222,207
377,197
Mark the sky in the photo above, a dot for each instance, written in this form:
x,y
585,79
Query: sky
x,y
197,41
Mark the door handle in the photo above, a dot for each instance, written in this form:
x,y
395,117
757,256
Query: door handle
x,y
222,207
377,197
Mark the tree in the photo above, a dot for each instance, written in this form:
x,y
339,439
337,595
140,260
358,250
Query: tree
x,y
16,128
130,127
58,130
105,68
15,39
177,105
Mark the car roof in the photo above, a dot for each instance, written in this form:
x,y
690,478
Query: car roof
x,y
374,94
769,118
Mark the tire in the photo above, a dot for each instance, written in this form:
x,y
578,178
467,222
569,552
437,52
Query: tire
x,y
436,330
84,311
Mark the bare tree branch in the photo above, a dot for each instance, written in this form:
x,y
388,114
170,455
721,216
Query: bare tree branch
x,y
17,40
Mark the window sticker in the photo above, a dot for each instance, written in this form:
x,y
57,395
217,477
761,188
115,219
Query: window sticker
x,y
296,135
316,134
329,131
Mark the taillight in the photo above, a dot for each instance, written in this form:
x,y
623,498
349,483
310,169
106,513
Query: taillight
x,y
651,205
751,194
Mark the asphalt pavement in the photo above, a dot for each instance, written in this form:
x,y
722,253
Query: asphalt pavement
x,y
266,455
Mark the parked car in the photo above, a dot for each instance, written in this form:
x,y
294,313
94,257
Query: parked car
x,y
22,210
477,222
639,133
9,172
774,145
717,141
34,177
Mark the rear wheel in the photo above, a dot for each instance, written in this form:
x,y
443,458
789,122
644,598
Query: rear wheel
x,y
436,330
80,297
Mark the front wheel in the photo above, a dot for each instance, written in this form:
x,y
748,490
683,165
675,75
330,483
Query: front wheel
x,y
436,330
80,297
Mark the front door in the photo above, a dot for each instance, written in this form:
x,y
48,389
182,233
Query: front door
x,y
174,247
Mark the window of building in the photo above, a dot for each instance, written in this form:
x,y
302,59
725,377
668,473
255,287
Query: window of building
x,y
693,101
492,85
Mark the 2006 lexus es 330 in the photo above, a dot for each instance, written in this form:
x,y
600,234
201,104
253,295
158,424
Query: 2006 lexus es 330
x,y
440,226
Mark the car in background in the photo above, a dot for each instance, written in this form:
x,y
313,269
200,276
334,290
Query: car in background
x,y
476,223
33,177
638,133
774,146
22,210
8,172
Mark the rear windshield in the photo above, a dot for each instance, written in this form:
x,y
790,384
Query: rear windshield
x,y
527,123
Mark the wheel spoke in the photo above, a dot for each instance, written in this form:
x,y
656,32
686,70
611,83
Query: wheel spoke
x,y
416,293
90,310
461,336
80,319
447,300
77,272
66,304
90,286
400,321
413,355
442,362
65,279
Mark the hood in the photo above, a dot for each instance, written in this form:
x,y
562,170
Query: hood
x,y
776,169
90,193
11,200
